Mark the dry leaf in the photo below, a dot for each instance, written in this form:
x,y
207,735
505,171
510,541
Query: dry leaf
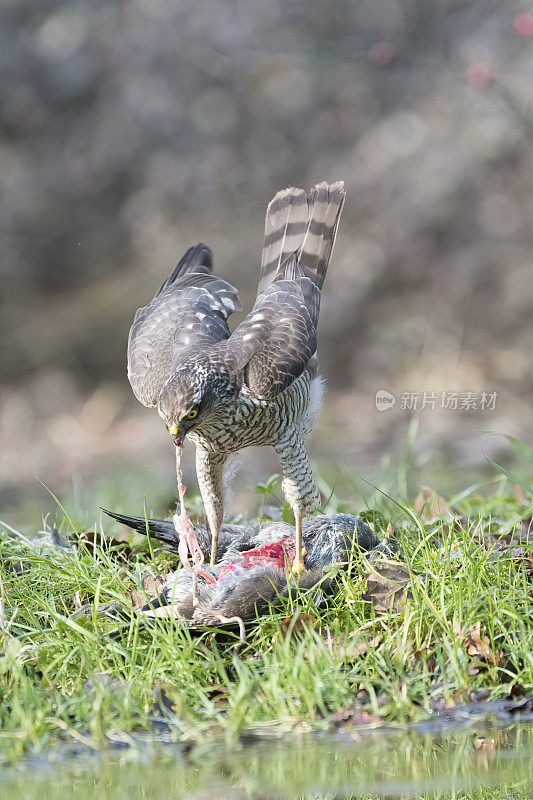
x,y
297,625
520,496
138,600
349,648
386,585
427,657
152,587
355,714
479,647
212,691
431,507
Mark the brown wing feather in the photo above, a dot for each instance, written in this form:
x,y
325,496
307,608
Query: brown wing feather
x,y
189,310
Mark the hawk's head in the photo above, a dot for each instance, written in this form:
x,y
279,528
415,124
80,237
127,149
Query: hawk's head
x,y
193,394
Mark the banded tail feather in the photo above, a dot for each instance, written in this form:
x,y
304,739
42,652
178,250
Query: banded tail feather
x,y
301,224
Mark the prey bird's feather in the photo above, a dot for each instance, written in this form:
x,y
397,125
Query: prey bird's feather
x,y
319,532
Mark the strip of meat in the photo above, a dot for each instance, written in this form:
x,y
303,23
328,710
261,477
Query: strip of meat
x,y
187,541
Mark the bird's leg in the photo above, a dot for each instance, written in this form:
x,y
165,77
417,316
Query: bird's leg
x,y
298,562
209,469
298,486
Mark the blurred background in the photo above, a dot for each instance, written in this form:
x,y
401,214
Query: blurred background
x,y
133,129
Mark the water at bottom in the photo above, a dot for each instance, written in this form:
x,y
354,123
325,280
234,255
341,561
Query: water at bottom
x,y
478,762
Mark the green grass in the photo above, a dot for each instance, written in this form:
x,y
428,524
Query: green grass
x,y
65,680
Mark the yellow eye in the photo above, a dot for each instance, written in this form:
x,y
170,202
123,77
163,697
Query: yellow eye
x,y
192,413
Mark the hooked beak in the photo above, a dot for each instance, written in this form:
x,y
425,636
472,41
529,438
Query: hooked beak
x,y
178,438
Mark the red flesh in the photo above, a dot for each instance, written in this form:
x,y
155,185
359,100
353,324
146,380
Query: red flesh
x,y
276,554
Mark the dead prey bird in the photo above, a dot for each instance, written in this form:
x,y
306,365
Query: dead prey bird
x,y
252,571
258,385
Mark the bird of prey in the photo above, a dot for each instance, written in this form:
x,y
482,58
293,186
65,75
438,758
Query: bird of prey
x,y
258,385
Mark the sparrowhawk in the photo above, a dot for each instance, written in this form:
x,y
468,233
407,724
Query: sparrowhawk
x,y
258,385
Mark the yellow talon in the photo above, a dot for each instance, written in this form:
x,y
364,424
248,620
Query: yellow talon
x,y
298,566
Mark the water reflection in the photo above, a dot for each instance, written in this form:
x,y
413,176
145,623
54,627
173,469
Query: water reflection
x,y
480,761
